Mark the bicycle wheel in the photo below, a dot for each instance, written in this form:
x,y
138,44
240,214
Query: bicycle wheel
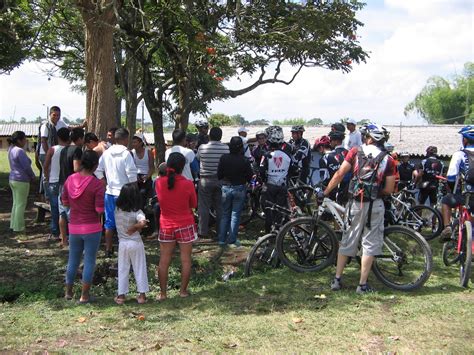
x,y
425,220
465,256
305,244
406,261
263,256
450,248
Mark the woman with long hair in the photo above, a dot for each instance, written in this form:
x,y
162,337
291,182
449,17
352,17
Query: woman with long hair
x,y
176,197
84,194
20,177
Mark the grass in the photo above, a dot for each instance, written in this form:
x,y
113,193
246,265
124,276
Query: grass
x,y
272,312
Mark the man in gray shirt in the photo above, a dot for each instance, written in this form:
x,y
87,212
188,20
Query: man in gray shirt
x,y
209,190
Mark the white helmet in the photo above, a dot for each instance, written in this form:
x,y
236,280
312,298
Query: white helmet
x,y
377,132
201,123
275,135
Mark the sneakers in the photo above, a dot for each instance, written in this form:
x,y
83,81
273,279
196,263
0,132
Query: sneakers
x,y
336,284
235,245
445,235
364,289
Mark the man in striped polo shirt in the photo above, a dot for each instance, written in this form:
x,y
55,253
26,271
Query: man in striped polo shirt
x,y
209,191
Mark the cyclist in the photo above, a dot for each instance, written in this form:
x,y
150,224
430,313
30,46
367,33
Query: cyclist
x,y
261,148
301,152
331,162
426,173
373,173
203,129
459,165
274,168
320,148
405,169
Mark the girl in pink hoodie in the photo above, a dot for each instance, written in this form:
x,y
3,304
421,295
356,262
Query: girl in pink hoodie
x,y
84,194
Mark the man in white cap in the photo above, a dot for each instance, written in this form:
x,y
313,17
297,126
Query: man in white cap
x,y
242,131
354,138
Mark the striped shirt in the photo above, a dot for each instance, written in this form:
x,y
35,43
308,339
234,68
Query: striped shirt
x,y
209,155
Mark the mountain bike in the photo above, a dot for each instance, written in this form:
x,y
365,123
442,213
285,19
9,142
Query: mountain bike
x,y
263,255
460,247
424,219
405,263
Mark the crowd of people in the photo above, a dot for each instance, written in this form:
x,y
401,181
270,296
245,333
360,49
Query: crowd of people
x,y
84,178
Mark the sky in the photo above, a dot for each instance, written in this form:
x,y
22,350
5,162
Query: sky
x,y
408,41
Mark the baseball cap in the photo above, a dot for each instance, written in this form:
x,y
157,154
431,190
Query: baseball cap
x,y
140,136
242,129
351,121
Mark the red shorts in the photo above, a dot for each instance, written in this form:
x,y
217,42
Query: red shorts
x,y
187,234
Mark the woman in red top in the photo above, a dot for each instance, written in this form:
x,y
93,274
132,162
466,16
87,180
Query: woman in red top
x,y
176,197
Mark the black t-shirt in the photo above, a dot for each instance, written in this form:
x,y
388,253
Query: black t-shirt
x,y
406,171
66,161
234,169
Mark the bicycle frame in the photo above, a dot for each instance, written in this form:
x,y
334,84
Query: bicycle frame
x,y
464,216
337,211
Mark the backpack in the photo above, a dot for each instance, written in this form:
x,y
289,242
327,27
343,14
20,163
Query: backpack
x,y
52,136
432,167
364,185
469,173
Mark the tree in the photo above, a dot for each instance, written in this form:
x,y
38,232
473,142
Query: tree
x,y
219,120
16,34
315,122
99,22
188,50
442,101
261,122
290,122
239,120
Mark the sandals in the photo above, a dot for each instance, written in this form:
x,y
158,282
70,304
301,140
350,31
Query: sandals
x,y
119,300
141,300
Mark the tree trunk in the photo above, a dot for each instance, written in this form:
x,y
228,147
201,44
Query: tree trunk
x,y
154,105
131,102
184,103
99,20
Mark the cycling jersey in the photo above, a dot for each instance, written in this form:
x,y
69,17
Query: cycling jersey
x,y
301,156
431,167
274,168
458,165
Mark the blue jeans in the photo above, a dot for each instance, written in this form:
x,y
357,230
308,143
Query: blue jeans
x,y
233,198
53,195
78,244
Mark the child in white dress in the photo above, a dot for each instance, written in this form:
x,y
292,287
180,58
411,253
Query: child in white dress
x,y
130,220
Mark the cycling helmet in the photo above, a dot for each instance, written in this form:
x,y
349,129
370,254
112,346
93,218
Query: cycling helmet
x,y
377,132
389,147
431,150
274,135
201,123
338,127
467,132
297,128
261,133
336,135
403,154
323,141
